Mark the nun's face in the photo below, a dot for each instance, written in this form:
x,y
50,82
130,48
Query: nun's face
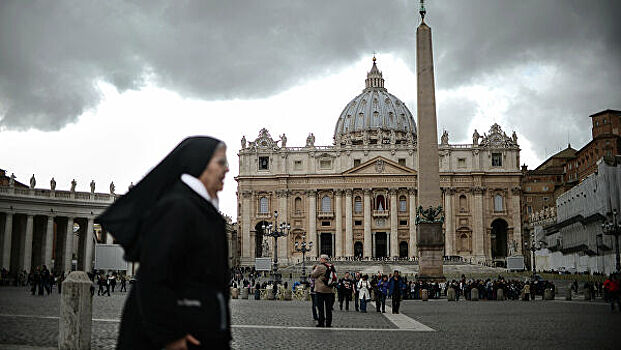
x,y
213,176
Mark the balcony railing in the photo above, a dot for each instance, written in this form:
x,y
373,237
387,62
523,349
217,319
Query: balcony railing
x,y
325,214
381,213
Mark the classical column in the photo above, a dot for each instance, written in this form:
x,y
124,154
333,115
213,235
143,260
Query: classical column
x,y
283,243
449,235
6,242
49,242
246,221
517,223
412,222
394,229
312,222
479,230
27,257
338,235
88,246
349,232
367,251
68,252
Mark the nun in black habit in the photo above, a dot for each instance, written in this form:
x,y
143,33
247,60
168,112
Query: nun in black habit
x,y
169,223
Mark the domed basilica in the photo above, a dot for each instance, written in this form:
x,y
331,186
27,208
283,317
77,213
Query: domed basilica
x,y
357,198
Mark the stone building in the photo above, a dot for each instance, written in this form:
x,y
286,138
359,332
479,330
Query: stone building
x,y
570,233
358,196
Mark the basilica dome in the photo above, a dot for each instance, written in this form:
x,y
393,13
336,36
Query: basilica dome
x,y
375,116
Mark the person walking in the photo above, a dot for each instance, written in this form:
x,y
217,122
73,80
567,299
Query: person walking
x,y
313,295
170,224
364,292
611,289
123,283
346,290
382,292
322,273
356,291
396,287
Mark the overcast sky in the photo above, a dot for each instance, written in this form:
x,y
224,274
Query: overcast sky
x,y
104,89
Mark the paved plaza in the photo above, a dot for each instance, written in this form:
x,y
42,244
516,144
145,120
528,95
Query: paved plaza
x,y
31,322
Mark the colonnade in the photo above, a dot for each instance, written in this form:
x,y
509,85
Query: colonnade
x,y
31,239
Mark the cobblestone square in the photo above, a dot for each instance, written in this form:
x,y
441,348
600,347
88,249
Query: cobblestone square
x,y
31,322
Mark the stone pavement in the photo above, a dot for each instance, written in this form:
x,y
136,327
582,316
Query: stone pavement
x,y
31,322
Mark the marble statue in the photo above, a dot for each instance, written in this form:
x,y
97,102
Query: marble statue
x,y
393,137
283,141
243,142
92,186
53,184
445,138
131,185
265,251
514,137
73,184
33,182
475,137
12,180
112,187
310,140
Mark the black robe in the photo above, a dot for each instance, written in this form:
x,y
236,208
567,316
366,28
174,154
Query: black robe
x,y
182,284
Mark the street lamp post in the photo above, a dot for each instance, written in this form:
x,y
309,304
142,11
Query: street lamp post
x,y
612,227
533,247
276,230
303,248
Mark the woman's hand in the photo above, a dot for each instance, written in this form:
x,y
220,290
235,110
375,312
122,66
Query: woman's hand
x,y
182,344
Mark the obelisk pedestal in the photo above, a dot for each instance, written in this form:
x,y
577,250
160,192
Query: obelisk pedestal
x,y
430,214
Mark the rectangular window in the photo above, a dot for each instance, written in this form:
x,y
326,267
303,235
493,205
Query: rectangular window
x,y
325,223
358,223
530,209
325,164
297,165
403,205
545,199
461,162
356,162
403,222
545,188
264,163
402,161
496,159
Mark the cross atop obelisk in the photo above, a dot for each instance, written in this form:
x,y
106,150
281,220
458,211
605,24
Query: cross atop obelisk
x,y
430,214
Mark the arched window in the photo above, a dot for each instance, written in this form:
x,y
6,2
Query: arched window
x,y
498,202
297,206
326,204
464,242
463,203
380,203
357,204
264,207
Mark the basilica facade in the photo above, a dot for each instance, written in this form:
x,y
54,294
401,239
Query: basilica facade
x,y
357,198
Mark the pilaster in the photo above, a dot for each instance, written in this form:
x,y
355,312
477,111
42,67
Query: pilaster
x,y
412,251
312,222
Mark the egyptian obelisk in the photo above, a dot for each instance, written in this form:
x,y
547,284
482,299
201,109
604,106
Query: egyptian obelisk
x,y
430,214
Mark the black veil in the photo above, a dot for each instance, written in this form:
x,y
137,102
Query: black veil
x,y
124,217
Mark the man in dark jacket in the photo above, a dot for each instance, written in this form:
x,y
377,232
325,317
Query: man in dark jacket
x,y
170,224
396,288
346,288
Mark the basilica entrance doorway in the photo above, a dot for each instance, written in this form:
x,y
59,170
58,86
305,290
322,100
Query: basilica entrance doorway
x,y
258,239
381,243
358,250
499,239
326,244
403,249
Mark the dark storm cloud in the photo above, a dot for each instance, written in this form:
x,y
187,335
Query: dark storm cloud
x,y
53,53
